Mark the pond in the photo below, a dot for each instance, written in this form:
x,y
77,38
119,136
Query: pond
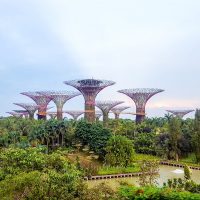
x,y
166,172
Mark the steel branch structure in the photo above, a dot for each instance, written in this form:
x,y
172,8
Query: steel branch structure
x,y
41,100
117,110
89,89
98,115
60,98
180,113
23,112
140,96
75,114
52,115
105,107
31,108
15,114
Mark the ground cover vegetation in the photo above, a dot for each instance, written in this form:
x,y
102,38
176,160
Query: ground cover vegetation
x,y
48,159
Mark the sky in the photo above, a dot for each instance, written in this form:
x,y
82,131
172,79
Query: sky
x,y
137,44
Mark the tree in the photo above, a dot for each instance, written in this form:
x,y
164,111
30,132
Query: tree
x,y
187,173
149,173
145,143
196,135
119,151
174,135
94,135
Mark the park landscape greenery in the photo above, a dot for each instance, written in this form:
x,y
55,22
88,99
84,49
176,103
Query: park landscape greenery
x,y
49,159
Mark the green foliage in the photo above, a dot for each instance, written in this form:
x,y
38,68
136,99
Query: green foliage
x,y
149,173
174,135
187,172
94,135
196,135
118,170
154,193
31,174
119,151
145,143
14,161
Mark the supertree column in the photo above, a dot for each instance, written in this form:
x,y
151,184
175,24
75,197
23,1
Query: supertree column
x,y
31,108
41,100
89,89
23,112
105,107
75,114
180,113
140,96
60,98
15,114
118,110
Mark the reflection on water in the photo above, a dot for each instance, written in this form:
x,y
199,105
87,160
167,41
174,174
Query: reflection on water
x,y
166,172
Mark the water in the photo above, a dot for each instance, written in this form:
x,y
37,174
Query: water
x,y
166,172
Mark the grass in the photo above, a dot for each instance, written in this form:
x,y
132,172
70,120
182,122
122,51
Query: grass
x,y
140,157
118,170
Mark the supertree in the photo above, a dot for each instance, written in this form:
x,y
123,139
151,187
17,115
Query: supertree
x,y
105,107
75,114
118,110
23,112
89,89
53,115
180,113
98,115
140,96
41,100
60,98
30,107
15,114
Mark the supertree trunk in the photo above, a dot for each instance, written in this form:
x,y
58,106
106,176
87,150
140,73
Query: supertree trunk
x,y
59,113
139,116
90,109
116,116
105,119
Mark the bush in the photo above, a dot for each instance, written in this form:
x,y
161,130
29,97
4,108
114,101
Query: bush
x,y
119,151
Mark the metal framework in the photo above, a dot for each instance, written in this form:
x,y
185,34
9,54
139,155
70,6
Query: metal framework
x,y
180,113
98,115
118,110
15,114
41,100
75,114
52,115
140,96
60,98
30,107
105,107
89,89
23,112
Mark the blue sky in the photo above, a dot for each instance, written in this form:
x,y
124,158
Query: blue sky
x,y
135,43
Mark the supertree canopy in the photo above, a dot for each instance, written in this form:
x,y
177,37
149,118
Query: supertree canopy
x,y
41,100
117,110
15,114
23,112
89,89
105,107
60,98
75,114
30,107
180,113
52,115
140,96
